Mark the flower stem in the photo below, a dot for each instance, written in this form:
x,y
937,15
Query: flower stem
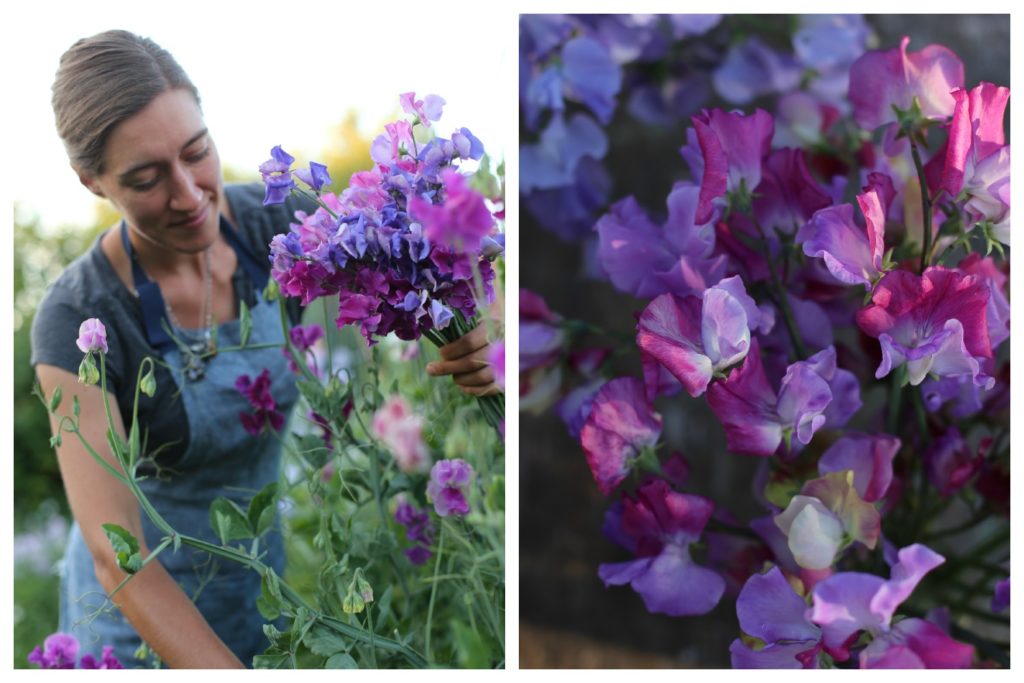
x,y
780,298
926,204
433,593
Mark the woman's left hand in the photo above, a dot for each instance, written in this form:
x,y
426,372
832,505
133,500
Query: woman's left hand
x,y
465,359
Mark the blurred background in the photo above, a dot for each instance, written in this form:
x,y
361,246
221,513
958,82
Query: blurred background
x,y
313,78
567,617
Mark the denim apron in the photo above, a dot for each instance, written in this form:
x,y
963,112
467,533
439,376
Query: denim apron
x,y
221,459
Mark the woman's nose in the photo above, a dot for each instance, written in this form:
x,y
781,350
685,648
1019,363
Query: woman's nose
x,y
186,195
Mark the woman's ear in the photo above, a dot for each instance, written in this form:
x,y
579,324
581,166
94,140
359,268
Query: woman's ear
x,y
89,181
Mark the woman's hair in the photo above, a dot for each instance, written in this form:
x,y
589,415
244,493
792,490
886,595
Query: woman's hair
x,y
104,80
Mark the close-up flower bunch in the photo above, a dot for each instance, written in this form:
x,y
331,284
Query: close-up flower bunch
x,y
798,418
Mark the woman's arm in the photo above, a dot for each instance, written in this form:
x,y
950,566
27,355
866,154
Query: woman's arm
x,y
152,601
466,360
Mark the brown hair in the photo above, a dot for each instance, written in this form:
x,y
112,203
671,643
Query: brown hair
x,y
104,80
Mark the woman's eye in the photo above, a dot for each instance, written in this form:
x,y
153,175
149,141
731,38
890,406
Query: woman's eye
x,y
144,185
198,156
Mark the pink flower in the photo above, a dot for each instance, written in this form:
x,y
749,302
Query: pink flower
x,y
461,221
426,110
880,79
621,424
92,336
401,431
851,253
935,323
975,133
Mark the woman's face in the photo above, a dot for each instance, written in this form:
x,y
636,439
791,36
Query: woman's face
x,y
162,172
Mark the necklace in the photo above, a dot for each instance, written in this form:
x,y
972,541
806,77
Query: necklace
x,y
197,349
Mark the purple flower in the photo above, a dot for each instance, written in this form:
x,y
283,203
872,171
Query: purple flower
x,y
950,462
316,176
540,337
769,609
881,79
418,529
849,602
868,456
621,424
696,338
731,148
107,660
277,176
756,420
658,526
788,195
752,69
852,254
467,145
574,407
591,76
92,336
935,323
1001,598
448,485
496,357
426,110
257,392
59,651
552,162
644,260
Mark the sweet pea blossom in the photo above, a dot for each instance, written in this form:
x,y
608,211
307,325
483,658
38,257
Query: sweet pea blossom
x,y
257,392
60,650
620,426
461,222
496,357
950,462
975,133
725,151
696,338
658,526
788,195
418,529
827,511
756,419
881,79
849,602
852,254
935,323
277,176
92,336
426,110
448,486
401,430
868,456
768,608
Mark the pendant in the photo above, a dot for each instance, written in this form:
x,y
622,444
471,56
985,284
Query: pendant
x,y
195,366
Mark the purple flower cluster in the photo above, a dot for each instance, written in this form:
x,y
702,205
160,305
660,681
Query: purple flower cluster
x,y
400,244
802,263
418,529
449,485
257,392
60,651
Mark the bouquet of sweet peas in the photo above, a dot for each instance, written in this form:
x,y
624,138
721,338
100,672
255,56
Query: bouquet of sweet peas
x,y
855,238
406,247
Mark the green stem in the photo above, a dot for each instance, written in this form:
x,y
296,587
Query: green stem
x,y
433,593
926,203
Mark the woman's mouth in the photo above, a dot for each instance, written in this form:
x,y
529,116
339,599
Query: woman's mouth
x,y
194,220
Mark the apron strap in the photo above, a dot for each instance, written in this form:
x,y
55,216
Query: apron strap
x,y
154,309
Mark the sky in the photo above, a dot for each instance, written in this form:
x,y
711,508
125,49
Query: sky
x,y
267,75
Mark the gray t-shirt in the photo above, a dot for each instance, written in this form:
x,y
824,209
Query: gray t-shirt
x,y
89,288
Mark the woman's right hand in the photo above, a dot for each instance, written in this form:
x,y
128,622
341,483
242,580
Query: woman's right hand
x,y
161,612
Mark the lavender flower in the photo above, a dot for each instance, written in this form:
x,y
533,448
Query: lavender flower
x,y
448,486
92,336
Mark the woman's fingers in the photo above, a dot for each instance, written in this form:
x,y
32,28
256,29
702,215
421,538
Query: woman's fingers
x,y
474,340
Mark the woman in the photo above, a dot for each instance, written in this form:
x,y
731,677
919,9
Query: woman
x,y
187,252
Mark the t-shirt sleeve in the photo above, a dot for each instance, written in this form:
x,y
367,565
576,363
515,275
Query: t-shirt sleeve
x,y
55,332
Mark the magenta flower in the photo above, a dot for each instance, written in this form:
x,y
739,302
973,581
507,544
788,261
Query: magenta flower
x,y
868,456
726,152
401,431
849,602
448,486
880,79
426,110
461,221
396,140
92,336
756,419
935,323
975,133
621,424
107,660
696,338
645,260
950,462
59,651
851,253
788,195
658,526
540,337
257,392
768,608
303,338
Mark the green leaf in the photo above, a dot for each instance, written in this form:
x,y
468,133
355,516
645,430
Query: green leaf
x,y
58,393
229,521
245,322
470,648
261,509
125,546
324,641
272,661
341,660
270,602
